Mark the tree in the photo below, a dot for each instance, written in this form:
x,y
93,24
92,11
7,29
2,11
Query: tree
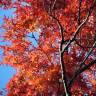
x,y
62,60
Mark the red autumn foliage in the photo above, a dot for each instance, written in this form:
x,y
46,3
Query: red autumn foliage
x,y
70,24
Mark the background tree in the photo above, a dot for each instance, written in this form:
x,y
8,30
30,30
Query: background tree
x,y
62,60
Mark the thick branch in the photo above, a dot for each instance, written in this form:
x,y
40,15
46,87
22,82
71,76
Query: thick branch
x,y
81,71
87,66
63,70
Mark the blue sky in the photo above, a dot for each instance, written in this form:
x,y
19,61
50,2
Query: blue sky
x,y
6,72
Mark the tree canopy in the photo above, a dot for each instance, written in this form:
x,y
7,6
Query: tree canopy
x,y
52,46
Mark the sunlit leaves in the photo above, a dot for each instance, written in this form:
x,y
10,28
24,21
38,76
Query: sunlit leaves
x,y
38,64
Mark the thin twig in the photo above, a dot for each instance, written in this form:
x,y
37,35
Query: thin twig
x,y
40,47
53,5
83,47
79,13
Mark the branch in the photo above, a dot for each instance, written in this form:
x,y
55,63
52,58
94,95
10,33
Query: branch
x,y
60,27
80,68
87,66
40,47
62,50
81,71
53,5
79,27
79,9
88,54
83,47
63,70
79,15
